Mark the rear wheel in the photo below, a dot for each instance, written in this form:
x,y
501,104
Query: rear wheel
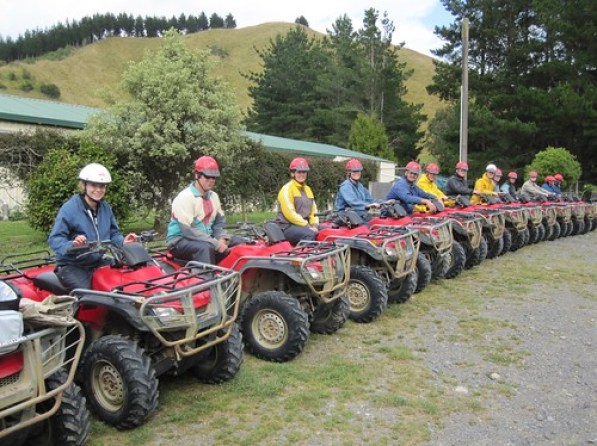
x,y
119,381
555,231
400,290
424,273
518,239
222,361
578,226
367,294
457,260
329,318
533,235
274,326
588,224
507,236
547,230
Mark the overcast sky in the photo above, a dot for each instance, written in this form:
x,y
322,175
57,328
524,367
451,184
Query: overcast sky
x,y
414,19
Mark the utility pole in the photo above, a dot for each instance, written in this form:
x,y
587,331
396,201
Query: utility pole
x,y
464,94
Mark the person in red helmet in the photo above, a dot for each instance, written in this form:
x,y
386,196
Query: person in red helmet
x,y
406,191
509,187
428,184
457,184
557,183
352,194
548,185
196,228
296,205
531,188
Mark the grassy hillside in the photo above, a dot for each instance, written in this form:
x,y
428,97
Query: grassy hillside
x,y
88,73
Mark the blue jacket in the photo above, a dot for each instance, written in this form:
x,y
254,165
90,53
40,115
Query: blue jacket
x,y
354,196
408,194
556,189
549,188
74,219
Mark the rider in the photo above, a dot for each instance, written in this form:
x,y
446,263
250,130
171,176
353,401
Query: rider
x,y
496,179
84,217
530,187
427,183
556,185
509,187
549,183
485,185
352,194
296,205
457,184
196,228
408,193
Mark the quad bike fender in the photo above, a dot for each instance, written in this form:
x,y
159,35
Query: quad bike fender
x,y
124,308
292,272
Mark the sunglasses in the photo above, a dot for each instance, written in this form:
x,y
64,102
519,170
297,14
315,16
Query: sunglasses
x,y
207,177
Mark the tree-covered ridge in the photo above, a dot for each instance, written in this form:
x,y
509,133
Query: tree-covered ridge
x,y
100,26
532,81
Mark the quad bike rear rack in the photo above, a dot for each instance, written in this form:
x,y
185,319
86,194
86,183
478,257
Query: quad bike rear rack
x,y
517,216
496,219
37,356
435,232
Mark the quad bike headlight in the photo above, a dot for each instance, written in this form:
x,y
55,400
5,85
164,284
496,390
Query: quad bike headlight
x,y
315,275
168,316
390,252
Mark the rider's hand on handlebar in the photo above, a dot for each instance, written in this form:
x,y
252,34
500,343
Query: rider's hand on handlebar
x,y
222,245
79,240
131,237
430,206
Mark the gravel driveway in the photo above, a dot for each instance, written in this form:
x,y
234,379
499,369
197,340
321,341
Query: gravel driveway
x,y
549,397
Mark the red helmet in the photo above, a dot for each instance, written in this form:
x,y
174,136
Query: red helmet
x,y
513,175
413,166
354,165
549,179
559,177
432,168
207,166
462,165
498,172
299,164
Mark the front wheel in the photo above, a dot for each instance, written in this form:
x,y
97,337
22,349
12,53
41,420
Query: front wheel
x,y
424,273
119,381
457,260
274,326
400,290
222,361
367,294
507,236
70,425
329,318
494,246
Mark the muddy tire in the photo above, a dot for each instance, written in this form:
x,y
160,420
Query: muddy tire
x,y
476,256
274,326
494,247
457,260
518,239
439,266
424,273
401,290
533,235
70,425
578,226
555,231
507,236
367,294
222,362
329,318
547,230
119,381
588,225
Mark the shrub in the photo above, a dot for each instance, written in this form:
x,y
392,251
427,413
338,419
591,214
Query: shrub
x,y
50,90
26,86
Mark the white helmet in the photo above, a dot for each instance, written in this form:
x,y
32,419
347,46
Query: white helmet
x,y
95,173
491,168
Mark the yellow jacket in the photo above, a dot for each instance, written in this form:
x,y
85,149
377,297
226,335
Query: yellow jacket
x,y
430,187
483,185
296,205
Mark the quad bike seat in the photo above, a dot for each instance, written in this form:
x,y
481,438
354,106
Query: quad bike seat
x,y
49,281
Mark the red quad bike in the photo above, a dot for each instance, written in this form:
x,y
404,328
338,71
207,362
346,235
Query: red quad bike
x,y
467,230
142,322
383,262
437,245
516,232
286,290
493,223
39,401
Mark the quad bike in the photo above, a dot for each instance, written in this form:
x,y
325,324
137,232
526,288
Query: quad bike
x,y
39,401
467,230
382,259
287,290
142,322
445,257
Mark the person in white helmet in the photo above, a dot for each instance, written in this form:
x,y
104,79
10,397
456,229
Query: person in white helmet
x,y
84,217
485,185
